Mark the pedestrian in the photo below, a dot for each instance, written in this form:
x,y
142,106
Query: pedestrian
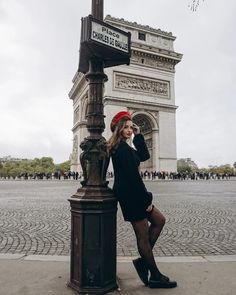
x,y
134,199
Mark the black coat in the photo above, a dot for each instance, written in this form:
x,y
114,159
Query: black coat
x,y
128,185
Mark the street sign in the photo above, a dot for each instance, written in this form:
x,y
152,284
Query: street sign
x,y
103,41
110,37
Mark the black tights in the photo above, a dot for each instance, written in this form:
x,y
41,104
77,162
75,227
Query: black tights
x,y
146,238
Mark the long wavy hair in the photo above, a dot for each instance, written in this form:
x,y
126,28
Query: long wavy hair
x,y
116,137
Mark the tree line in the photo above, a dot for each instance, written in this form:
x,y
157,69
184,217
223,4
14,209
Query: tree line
x,y
222,169
44,165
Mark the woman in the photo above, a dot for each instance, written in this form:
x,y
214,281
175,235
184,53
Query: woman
x,y
135,201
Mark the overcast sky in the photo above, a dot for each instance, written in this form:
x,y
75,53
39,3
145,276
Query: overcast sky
x,y
39,57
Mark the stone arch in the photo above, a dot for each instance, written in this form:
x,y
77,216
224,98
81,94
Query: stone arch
x,y
152,118
147,124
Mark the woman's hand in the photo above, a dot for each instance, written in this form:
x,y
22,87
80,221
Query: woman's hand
x,y
136,129
149,208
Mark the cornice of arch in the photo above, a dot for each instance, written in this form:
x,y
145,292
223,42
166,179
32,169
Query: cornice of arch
x,y
156,51
78,124
135,25
154,59
142,53
138,105
79,83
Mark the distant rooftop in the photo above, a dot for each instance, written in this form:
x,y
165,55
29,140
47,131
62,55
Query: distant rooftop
x,y
138,26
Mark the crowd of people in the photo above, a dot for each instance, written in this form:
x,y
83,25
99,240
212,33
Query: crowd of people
x,y
42,175
146,175
154,175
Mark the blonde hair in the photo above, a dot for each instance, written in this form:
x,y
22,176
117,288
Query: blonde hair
x,y
116,137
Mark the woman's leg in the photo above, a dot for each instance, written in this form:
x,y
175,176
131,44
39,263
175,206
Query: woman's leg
x,y
157,222
141,230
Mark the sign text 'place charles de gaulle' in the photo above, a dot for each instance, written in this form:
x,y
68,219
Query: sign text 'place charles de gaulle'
x,y
110,37
103,41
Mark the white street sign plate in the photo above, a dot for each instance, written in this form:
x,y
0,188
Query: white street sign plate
x,y
109,37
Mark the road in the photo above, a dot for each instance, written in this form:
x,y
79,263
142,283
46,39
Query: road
x,y
200,218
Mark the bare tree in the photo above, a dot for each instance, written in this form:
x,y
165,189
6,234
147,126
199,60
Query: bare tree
x,y
194,4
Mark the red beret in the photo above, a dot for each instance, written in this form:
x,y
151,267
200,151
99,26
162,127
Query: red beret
x,y
117,118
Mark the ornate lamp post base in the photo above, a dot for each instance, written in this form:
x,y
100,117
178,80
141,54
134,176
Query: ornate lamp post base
x,y
93,237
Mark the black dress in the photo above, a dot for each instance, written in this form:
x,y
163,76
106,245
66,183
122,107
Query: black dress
x,y
128,187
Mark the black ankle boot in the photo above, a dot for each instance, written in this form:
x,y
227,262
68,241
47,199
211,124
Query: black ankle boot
x,y
162,282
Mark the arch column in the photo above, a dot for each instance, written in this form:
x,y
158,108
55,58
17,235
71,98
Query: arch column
x,y
155,149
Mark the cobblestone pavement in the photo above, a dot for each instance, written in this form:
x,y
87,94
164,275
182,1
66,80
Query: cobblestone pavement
x,y
200,218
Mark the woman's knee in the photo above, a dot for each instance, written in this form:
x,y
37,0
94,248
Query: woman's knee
x,y
162,220
157,219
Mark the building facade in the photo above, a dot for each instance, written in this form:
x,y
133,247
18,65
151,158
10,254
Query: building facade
x,y
145,88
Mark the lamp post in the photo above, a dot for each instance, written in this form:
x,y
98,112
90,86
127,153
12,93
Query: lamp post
x,y
93,206
97,9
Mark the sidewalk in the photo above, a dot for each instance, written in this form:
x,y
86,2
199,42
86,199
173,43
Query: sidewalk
x,y
41,275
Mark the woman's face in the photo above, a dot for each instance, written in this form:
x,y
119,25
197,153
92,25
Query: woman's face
x,y
127,129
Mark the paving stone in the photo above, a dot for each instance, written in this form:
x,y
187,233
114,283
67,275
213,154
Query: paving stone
x,y
200,218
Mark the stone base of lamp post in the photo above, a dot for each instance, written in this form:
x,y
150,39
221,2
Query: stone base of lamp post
x,y
93,241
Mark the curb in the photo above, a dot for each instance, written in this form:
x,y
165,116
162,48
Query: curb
x,y
124,259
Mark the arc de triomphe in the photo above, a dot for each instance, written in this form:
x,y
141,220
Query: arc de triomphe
x,y
145,88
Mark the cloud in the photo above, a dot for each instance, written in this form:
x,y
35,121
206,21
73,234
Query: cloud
x,y
40,57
